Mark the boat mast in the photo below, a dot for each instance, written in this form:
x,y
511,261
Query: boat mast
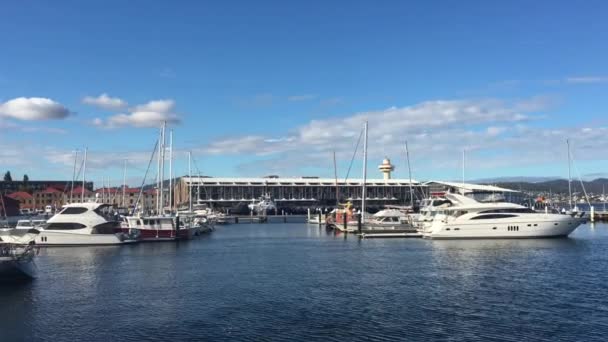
x,y
162,170
336,180
84,173
463,164
73,175
363,190
604,195
171,169
569,177
160,135
124,183
190,181
409,169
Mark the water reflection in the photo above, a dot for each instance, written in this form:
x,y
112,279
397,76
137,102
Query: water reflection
x,y
303,283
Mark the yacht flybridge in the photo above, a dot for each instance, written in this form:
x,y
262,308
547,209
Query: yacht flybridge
x,y
83,224
467,219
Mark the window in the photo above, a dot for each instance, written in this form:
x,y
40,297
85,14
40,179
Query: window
x,y
509,210
64,226
73,211
492,216
105,228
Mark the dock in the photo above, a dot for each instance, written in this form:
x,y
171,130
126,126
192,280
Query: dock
x,y
236,219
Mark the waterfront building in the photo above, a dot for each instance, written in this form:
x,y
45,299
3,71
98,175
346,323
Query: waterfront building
x,y
294,192
25,199
39,185
114,197
386,168
49,196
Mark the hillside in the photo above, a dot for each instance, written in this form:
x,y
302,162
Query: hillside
x,y
557,186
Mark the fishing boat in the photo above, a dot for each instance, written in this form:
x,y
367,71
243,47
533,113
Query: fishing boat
x,y
158,228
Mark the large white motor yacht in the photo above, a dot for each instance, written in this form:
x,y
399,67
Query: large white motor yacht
x,y
83,224
468,219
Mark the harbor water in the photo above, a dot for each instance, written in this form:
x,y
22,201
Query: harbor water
x,y
297,282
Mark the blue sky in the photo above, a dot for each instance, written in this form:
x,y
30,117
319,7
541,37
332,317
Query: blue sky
x,y
273,87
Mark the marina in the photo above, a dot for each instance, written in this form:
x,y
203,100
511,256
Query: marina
x,y
300,282
303,171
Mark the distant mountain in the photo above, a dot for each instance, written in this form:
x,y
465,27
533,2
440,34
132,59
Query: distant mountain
x,y
556,185
515,179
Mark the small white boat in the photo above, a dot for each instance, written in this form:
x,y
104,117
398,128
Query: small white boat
x,y
388,219
264,205
17,252
30,224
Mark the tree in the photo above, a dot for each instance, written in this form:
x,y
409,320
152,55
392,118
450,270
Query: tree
x,y
26,180
7,177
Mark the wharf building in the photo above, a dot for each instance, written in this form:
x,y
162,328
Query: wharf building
x,y
295,192
298,193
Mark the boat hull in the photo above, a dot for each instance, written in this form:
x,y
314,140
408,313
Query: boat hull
x,y
550,227
11,270
55,238
149,235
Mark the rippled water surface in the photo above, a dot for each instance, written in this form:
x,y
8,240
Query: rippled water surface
x,y
300,283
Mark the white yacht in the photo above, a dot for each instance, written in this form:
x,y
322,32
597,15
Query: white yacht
x,y
80,224
17,254
428,208
389,219
264,205
30,224
468,219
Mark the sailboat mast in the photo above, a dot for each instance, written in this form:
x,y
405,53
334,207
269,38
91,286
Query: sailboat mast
x,y
409,170
569,176
190,181
336,180
84,173
73,175
463,164
124,183
171,169
162,169
160,136
364,188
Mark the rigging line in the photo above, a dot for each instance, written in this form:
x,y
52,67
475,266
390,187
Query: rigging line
x,y
143,182
580,179
354,155
198,171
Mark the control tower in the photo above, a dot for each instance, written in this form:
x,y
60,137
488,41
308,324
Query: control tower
x,y
386,168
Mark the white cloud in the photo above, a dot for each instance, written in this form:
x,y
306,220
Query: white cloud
x,y
495,132
151,114
587,79
105,101
33,108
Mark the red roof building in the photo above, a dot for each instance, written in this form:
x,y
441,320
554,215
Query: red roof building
x,y
49,196
25,199
8,206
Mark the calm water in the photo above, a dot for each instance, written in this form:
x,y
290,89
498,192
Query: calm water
x,y
298,283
